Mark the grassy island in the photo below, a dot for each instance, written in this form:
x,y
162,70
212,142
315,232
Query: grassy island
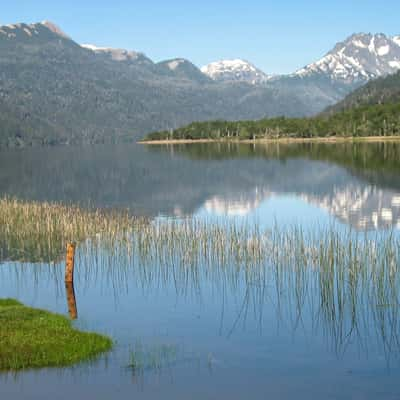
x,y
32,338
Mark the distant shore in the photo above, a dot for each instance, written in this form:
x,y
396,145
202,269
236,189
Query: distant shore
x,y
331,139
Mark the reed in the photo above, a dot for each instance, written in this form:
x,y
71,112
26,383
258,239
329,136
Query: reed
x,y
39,231
348,282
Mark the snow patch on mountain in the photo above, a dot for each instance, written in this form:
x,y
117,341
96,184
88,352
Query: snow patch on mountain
x,y
27,31
382,51
359,43
236,70
115,54
95,48
396,39
174,64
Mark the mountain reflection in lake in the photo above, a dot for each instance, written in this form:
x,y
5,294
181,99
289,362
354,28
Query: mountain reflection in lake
x,y
357,184
312,313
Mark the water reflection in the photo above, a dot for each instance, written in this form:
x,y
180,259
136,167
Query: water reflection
x,y
355,183
322,284
71,300
281,313
362,208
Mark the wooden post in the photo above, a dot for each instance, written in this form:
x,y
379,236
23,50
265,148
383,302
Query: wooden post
x,y
70,263
70,291
69,280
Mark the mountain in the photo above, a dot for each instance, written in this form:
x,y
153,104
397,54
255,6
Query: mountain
x,y
349,65
184,69
372,110
119,54
235,71
384,90
53,90
358,59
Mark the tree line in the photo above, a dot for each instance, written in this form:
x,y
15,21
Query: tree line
x,y
363,121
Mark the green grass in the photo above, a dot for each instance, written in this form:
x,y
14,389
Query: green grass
x,y
32,338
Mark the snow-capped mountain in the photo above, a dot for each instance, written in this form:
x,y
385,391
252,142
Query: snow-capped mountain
x,y
359,58
234,71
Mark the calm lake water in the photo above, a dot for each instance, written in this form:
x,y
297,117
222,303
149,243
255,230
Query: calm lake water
x,y
216,335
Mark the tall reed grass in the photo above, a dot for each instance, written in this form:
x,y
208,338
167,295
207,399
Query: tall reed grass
x,y
39,231
349,283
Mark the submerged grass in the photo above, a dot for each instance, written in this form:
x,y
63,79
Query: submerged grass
x,y
153,358
32,338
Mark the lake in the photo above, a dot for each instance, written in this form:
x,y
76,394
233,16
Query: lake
x,y
217,331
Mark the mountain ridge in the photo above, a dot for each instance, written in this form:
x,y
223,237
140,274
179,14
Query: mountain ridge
x,y
54,90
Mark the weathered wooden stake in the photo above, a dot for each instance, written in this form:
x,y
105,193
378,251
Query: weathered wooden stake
x,y
70,263
70,291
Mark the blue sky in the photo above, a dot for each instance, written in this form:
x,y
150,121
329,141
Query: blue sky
x,y
277,36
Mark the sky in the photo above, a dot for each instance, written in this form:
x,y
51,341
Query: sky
x,y
277,36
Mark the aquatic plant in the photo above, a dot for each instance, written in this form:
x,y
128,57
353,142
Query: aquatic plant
x,y
39,231
348,282
154,358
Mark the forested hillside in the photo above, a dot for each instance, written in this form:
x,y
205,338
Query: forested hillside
x,y
373,110
379,91
53,90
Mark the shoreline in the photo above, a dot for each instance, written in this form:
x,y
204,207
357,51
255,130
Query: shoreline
x,y
355,139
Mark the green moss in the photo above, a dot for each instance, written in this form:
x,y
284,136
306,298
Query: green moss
x,y
32,338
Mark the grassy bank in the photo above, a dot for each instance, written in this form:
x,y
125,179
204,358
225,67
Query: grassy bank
x,y
32,338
